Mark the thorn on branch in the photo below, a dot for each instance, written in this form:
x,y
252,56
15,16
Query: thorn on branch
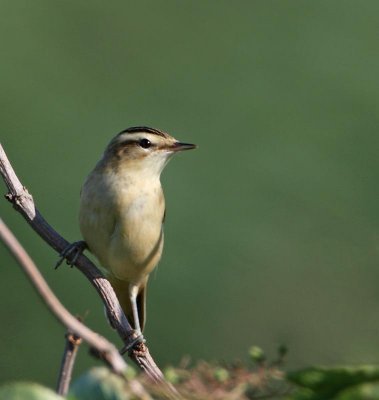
x,y
13,198
75,340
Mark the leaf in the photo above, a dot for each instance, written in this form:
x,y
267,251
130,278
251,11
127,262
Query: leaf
x,y
27,391
326,383
99,384
366,391
257,354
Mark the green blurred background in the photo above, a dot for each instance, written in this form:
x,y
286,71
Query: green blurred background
x,y
272,230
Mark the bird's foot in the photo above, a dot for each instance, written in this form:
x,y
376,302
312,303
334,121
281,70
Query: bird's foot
x,y
71,253
135,338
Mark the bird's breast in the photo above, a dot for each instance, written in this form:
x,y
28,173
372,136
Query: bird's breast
x,y
137,240
121,221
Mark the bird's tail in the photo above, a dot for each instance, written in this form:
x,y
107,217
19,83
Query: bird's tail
x,y
121,289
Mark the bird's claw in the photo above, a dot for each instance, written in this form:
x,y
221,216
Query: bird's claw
x,y
71,253
133,341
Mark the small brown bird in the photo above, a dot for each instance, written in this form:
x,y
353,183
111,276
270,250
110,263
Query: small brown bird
x,y
122,210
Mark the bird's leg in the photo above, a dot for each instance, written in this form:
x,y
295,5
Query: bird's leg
x,y
133,293
137,336
71,253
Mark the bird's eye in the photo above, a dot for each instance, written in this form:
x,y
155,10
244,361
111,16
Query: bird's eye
x,y
145,143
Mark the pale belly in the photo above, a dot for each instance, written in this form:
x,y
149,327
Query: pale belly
x,y
126,236
135,247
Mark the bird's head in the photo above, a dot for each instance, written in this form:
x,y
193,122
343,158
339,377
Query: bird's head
x,y
143,148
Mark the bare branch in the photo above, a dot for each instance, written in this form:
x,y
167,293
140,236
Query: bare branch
x,y
69,355
24,203
107,350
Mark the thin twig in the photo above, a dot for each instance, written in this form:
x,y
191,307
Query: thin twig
x,y
23,202
70,351
106,349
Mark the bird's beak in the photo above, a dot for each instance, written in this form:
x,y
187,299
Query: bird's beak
x,y
179,146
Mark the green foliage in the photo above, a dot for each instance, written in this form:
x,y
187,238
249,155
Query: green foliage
x,y
221,374
257,354
99,384
171,375
27,391
217,381
366,391
338,383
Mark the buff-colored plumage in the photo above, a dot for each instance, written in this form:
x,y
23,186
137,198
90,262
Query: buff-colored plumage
x,y
122,209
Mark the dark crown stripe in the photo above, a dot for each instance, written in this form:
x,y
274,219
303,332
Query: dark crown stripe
x,y
139,129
